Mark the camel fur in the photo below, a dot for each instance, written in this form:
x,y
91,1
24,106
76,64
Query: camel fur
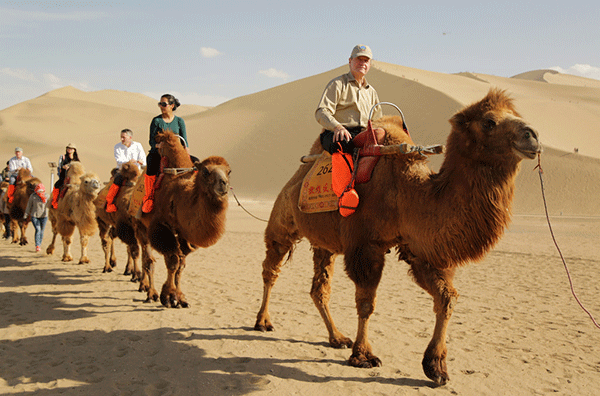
x,y
107,222
189,212
76,210
435,221
16,209
72,179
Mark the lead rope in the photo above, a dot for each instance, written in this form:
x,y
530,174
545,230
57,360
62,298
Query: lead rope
x,y
240,205
540,171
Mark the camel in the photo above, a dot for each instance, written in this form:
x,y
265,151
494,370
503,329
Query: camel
x,y
17,208
76,209
107,222
435,221
189,212
72,179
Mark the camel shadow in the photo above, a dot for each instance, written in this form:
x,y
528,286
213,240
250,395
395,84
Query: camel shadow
x,y
160,361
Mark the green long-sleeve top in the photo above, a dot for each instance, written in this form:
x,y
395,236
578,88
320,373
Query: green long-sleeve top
x,y
177,126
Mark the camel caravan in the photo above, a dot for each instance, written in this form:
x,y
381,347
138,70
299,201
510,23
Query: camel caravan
x,y
435,222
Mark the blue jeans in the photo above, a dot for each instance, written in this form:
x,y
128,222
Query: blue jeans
x,y
39,223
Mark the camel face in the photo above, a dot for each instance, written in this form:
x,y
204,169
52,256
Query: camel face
x,y
218,179
491,131
90,184
215,172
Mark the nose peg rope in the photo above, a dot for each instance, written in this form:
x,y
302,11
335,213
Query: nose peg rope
x,y
540,171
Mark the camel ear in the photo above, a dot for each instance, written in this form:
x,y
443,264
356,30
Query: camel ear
x,y
459,121
202,169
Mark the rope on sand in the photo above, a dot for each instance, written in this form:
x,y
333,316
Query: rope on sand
x,y
540,171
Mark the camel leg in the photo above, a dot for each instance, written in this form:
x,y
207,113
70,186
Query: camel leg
x,y
67,240
148,263
14,227
271,269
179,294
169,295
364,265
23,224
321,292
133,262
50,248
107,246
84,239
438,283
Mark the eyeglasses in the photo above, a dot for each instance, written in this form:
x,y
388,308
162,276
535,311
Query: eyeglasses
x,y
163,104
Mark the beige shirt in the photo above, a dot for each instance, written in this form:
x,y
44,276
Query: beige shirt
x,y
344,102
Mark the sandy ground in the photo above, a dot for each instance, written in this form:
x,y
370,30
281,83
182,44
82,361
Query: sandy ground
x,y
516,330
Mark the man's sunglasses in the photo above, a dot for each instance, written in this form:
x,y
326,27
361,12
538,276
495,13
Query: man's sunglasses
x,y
163,104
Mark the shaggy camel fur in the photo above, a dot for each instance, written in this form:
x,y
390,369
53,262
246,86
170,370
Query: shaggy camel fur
x,y
107,222
72,179
436,222
19,204
189,212
76,209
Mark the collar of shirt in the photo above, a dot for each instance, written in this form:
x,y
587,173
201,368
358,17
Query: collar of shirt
x,y
353,80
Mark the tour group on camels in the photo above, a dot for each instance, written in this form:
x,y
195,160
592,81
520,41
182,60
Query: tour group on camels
x,y
435,222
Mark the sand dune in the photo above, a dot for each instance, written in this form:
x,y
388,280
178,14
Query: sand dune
x,y
264,134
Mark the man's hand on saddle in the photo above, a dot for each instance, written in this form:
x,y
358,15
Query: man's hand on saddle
x,y
340,134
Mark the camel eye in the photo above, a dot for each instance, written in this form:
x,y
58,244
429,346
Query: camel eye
x,y
489,124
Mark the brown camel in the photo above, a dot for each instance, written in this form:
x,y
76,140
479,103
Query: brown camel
x,y
107,222
436,221
76,209
189,212
17,208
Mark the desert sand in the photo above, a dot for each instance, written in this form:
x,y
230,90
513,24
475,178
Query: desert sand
x,y
516,330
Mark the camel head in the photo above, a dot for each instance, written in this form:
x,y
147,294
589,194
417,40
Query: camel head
x,y
90,184
130,171
492,133
213,173
24,174
172,146
75,171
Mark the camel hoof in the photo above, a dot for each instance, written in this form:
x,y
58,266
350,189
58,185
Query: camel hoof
x,y
435,369
135,277
263,328
67,258
364,362
84,260
341,343
106,269
113,263
49,251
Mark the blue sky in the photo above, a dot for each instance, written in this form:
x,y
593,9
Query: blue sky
x,y
207,52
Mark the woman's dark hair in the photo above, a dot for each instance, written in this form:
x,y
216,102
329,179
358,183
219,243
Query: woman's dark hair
x,y
75,156
172,100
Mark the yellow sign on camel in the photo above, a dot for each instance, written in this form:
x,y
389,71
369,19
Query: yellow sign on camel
x,y
316,194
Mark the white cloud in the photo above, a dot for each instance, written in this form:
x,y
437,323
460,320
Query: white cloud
x,y
580,70
21,74
208,52
54,82
274,73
